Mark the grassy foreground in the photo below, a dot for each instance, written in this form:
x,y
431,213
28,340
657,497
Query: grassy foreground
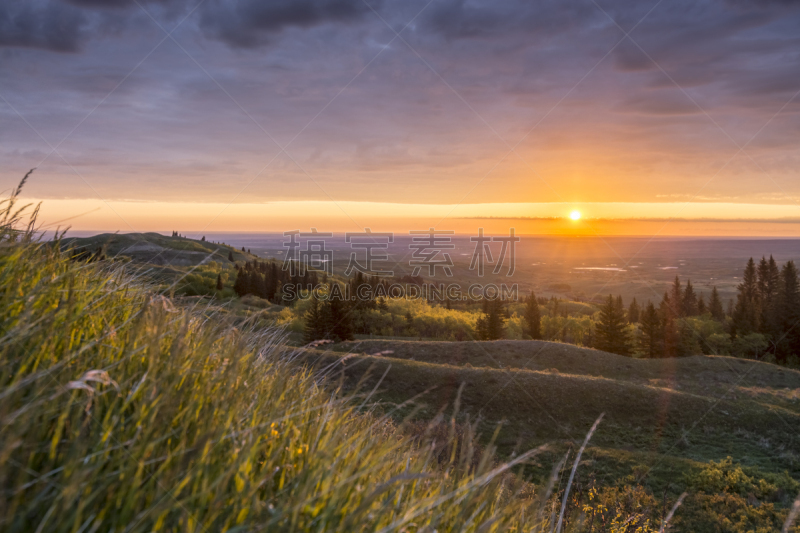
x,y
120,412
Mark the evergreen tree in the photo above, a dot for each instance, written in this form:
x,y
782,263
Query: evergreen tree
x,y
689,301
410,330
633,312
669,327
490,324
746,312
482,328
339,321
532,317
315,322
701,304
230,256
788,309
715,305
203,239
382,305
769,286
495,320
611,334
675,300
651,331
240,283
219,282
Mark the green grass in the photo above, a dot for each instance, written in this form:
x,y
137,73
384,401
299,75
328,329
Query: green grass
x,y
123,412
145,247
709,376
665,420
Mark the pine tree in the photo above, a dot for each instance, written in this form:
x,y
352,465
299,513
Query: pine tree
x,y
633,312
715,305
491,322
669,327
533,317
675,301
769,286
689,301
410,330
482,328
339,320
651,331
219,282
230,256
701,304
495,320
746,312
203,239
788,309
240,283
611,333
315,322
382,305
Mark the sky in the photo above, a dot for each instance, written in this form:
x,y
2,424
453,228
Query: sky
x,y
652,117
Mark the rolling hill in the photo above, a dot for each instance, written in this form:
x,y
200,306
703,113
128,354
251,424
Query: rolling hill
x,y
156,249
664,418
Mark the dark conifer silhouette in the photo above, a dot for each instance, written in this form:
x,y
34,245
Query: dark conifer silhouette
x,y
715,305
746,312
533,317
651,328
689,301
611,334
633,312
788,309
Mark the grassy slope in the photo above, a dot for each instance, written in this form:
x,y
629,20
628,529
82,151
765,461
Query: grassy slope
x,y
650,405
711,376
157,248
120,412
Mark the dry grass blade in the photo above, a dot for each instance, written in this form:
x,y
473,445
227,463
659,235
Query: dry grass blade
x,y
572,473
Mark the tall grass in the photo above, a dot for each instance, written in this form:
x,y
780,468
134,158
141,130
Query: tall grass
x,y
120,412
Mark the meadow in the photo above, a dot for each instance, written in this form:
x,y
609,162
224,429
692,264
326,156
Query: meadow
x,y
123,410
263,432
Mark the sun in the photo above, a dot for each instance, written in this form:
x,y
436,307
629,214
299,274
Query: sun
x,y
575,215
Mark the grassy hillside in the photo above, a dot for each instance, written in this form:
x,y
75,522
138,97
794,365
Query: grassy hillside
x,y
665,420
710,376
123,412
156,249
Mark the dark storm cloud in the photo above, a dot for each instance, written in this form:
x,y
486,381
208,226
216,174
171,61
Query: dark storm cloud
x,y
250,23
116,4
369,108
41,24
66,25
457,19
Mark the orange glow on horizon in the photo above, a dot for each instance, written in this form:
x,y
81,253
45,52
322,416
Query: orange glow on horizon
x,y
700,219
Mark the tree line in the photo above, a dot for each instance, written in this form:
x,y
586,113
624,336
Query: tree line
x,y
763,317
